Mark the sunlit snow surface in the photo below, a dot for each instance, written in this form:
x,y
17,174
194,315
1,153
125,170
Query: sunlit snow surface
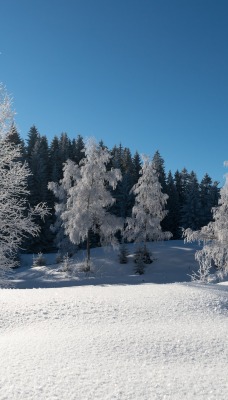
x,y
121,338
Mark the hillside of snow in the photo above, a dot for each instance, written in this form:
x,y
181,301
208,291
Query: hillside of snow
x,y
113,334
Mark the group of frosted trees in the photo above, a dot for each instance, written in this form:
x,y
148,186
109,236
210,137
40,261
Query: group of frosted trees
x,y
102,197
213,257
85,199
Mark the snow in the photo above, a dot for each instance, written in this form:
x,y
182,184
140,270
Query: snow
x,y
115,335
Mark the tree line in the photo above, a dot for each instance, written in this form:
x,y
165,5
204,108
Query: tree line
x,y
189,202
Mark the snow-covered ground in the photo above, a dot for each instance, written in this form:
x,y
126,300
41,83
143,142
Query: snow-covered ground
x,y
115,335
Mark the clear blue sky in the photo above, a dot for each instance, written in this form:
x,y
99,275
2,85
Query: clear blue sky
x,y
152,75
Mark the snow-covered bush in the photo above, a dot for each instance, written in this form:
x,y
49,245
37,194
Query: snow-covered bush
x,y
144,254
39,260
139,261
123,253
213,257
66,263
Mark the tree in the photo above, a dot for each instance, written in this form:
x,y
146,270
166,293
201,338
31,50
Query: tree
x,y
136,167
148,211
209,195
88,197
60,191
214,236
190,211
159,165
33,136
171,221
38,163
77,149
15,221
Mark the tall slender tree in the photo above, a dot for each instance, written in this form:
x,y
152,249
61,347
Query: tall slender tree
x,y
148,211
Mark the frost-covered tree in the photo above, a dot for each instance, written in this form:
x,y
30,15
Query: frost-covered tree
x,y
148,211
60,191
214,236
88,198
15,219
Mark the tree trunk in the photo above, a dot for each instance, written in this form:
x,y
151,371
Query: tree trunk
x,y
88,250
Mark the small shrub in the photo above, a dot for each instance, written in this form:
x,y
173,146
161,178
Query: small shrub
x,y
144,254
123,254
86,266
66,263
139,262
59,258
39,260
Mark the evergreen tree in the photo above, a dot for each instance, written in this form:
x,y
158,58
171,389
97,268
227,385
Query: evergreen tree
x,y
209,194
65,147
181,182
190,212
55,160
171,221
33,136
159,165
38,162
121,159
77,149
14,138
137,166
148,211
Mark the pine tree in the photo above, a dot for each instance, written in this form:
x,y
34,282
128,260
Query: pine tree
x,y
88,199
55,160
181,181
190,211
137,166
38,162
171,221
159,165
64,147
77,149
33,136
14,138
148,211
209,194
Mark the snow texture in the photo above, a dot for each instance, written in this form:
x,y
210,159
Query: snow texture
x,y
113,335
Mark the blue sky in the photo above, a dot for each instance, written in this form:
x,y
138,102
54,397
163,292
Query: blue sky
x,y
151,75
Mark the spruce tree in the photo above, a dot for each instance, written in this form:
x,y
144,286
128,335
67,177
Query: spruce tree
x,y
209,194
190,211
159,165
148,211
77,149
171,221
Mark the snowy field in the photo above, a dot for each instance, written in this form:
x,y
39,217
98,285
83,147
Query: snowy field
x,y
113,334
